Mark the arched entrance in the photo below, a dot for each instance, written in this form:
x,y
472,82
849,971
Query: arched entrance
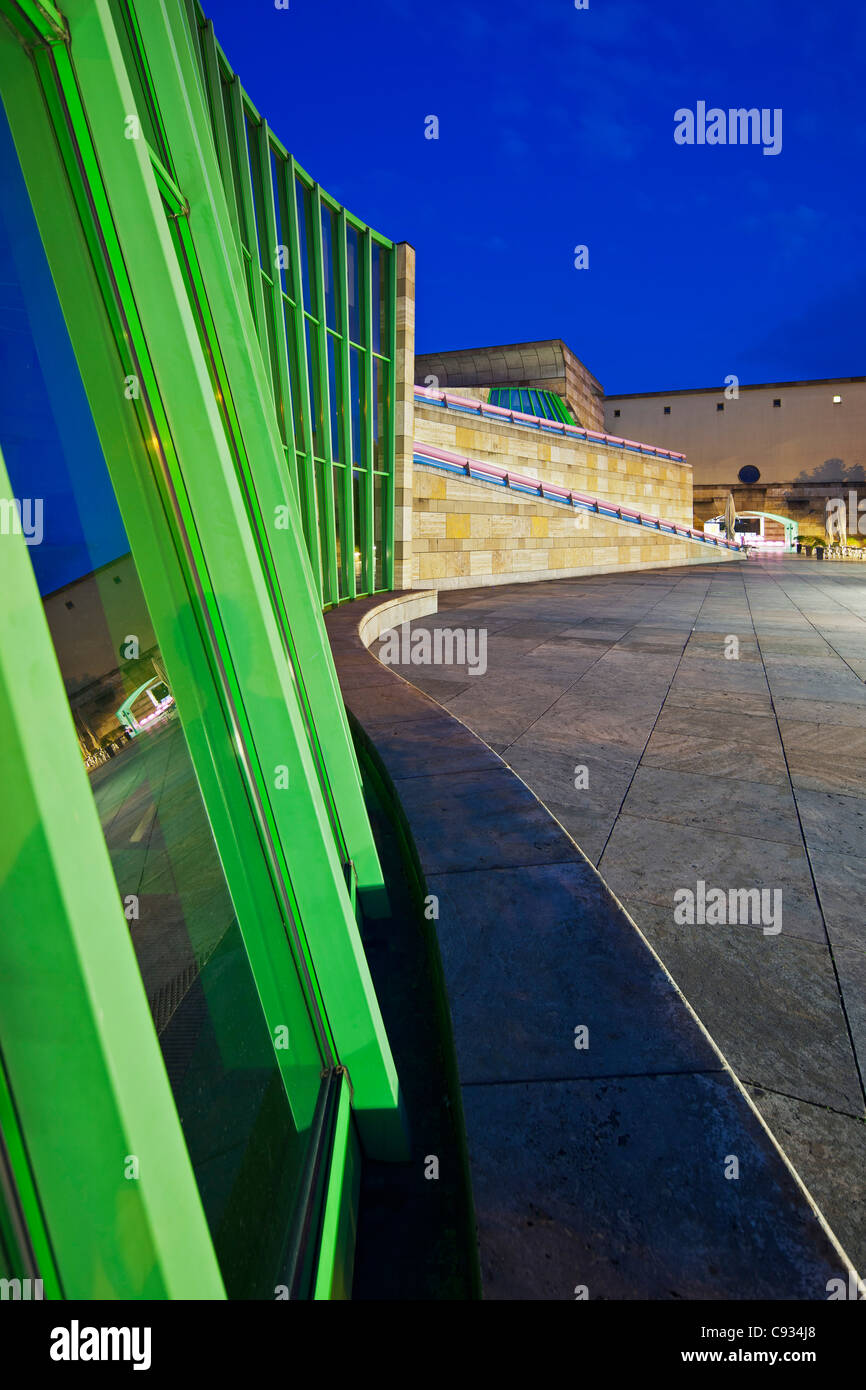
x,y
766,530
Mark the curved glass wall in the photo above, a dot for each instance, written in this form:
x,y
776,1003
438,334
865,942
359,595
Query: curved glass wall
x,y
248,1126
322,289
187,420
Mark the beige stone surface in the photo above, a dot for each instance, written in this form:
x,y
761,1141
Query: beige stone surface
x,y
479,533
808,437
660,487
404,414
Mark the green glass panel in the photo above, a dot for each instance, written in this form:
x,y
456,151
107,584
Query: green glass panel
x,y
247,1129
381,385
359,483
315,393
233,138
304,204
329,263
335,398
339,473
251,150
353,277
356,394
379,491
323,483
281,221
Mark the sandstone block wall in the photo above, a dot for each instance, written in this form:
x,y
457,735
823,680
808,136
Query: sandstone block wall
x,y
659,487
471,533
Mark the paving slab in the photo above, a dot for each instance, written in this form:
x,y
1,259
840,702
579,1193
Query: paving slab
x,y
519,985
652,860
829,1150
693,799
831,822
771,1003
580,1151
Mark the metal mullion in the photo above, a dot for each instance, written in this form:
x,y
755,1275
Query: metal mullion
x,y
195,33
276,300
306,473
42,16
366,279
321,332
244,155
215,93
341,278
390,443
169,190
134,37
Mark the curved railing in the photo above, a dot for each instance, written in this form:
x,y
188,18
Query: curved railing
x,y
472,406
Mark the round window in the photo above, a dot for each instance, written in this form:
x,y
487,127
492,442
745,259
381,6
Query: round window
x,y
749,474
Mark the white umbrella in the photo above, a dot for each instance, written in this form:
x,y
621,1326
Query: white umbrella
x,y
730,517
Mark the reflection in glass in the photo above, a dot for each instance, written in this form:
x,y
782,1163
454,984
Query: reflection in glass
x,y
329,261
353,277
378,521
381,385
336,400
339,473
323,472
358,482
302,195
248,1136
278,176
315,392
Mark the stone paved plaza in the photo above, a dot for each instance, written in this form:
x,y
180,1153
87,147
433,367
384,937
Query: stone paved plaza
x,y
739,764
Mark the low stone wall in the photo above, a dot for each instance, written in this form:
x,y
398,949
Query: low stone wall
x,y
470,533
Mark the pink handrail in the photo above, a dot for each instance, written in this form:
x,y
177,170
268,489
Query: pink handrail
x,y
448,398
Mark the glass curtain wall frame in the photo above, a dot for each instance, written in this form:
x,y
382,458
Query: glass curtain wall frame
x,y
277,473
94,1076
243,666
250,1127
306,301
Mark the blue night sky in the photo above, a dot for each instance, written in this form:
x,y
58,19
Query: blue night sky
x,y
556,129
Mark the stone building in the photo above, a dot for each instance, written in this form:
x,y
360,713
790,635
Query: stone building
x,y
782,448
545,366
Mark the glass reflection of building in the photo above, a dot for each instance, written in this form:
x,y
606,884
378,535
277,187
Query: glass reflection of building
x,y
211,472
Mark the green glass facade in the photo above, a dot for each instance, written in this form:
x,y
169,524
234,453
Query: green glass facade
x,y
198,407
545,405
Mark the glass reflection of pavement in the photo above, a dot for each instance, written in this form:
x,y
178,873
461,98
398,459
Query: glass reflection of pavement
x,y
163,855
